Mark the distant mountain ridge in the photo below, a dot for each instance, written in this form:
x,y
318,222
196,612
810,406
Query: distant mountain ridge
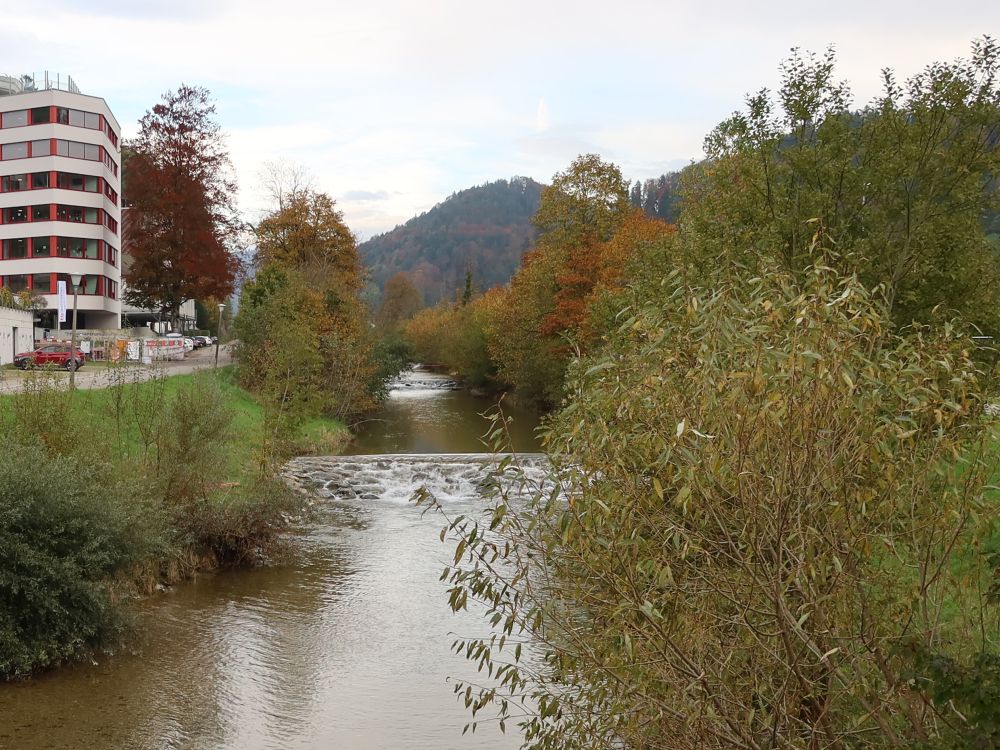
x,y
483,230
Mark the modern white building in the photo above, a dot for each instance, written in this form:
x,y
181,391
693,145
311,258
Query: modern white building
x,y
59,197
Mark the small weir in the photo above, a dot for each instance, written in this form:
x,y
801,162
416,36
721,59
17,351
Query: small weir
x,y
396,478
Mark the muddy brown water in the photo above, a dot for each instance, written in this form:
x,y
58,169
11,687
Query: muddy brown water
x,y
344,645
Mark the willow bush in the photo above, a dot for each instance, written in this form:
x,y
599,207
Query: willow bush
x,y
760,525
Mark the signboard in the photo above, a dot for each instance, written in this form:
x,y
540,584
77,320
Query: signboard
x,y
61,288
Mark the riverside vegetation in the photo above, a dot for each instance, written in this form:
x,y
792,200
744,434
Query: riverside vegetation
x,y
771,520
107,493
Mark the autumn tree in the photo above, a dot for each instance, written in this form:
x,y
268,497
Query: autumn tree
x,y
587,201
400,301
588,231
180,230
305,345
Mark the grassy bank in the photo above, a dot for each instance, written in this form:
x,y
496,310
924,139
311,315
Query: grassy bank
x,y
106,493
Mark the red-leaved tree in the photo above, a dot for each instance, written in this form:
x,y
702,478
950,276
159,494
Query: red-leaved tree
x,y
180,231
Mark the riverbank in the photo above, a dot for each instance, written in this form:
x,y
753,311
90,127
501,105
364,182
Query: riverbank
x,y
109,493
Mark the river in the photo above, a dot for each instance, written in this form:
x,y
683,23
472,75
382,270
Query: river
x,y
345,645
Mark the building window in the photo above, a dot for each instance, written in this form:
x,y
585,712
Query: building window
x,y
77,247
41,115
41,213
41,247
15,215
14,150
15,119
15,248
16,283
69,181
69,247
11,183
88,283
41,148
42,283
39,180
69,213
111,254
78,214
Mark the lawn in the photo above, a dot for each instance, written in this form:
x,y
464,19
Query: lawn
x,y
113,417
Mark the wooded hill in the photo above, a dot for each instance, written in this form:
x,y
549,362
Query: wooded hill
x,y
484,230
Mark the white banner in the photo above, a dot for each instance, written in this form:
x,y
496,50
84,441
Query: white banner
x,y
61,289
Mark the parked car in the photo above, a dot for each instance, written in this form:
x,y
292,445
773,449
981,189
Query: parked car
x,y
53,355
200,341
188,345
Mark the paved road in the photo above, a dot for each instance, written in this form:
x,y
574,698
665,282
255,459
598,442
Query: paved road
x,y
97,377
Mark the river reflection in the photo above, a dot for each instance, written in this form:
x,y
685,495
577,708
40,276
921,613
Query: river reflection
x,y
426,415
345,646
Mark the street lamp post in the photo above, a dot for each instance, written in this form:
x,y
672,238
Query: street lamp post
x,y
75,281
218,334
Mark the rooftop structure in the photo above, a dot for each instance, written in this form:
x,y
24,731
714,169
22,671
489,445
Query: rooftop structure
x,y
30,82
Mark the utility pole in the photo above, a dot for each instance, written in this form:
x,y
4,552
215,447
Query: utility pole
x,y
218,334
75,279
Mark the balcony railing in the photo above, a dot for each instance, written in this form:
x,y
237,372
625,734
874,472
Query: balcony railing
x,y
28,82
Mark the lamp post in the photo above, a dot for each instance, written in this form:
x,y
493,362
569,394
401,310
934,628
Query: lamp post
x,y
75,279
218,334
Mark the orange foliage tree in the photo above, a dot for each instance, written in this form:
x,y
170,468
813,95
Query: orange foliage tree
x,y
589,233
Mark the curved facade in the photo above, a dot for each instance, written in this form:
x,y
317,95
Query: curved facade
x,y
60,211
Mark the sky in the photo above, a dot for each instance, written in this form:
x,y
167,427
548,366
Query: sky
x,y
393,105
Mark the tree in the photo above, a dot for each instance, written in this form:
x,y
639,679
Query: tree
x,y
284,181
588,200
305,344
901,186
588,230
180,230
400,301
309,234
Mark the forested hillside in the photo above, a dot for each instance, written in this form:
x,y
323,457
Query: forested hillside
x,y
659,198
483,230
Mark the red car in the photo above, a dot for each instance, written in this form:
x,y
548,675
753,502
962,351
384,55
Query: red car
x,y
53,355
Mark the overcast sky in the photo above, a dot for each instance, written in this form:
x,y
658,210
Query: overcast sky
x,y
395,104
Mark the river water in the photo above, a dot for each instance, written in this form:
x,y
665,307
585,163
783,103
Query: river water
x,y
346,645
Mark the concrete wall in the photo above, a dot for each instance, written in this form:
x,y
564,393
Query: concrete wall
x,y
23,322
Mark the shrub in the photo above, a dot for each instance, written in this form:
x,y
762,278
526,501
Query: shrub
x,y
65,530
768,497
243,525
41,413
192,428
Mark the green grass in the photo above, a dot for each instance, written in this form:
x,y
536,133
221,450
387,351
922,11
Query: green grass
x,y
246,433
